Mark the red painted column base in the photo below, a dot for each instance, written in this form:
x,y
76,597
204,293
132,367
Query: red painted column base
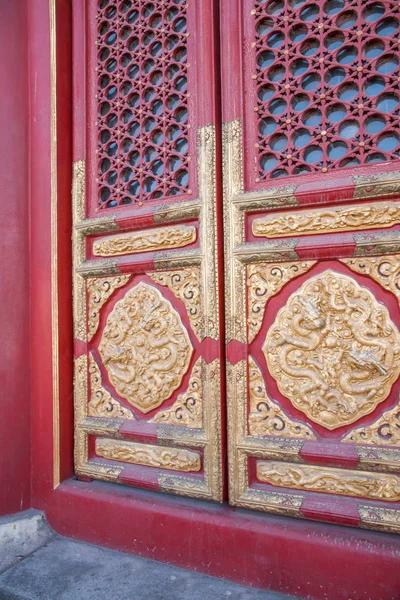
x,y
309,560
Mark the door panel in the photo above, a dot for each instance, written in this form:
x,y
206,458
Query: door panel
x,y
146,298
312,260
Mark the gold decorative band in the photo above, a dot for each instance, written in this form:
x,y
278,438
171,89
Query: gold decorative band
x,y
162,238
325,220
176,459
376,486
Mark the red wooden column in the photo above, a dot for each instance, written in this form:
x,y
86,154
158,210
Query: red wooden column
x,y
14,262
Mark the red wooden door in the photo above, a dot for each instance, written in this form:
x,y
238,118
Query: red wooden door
x,y
311,108
146,246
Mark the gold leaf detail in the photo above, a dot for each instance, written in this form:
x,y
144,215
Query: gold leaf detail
x,y
385,270
266,418
102,404
176,459
187,411
335,219
377,486
333,350
385,431
383,519
263,282
381,184
145,347
185,285
162,238
99,290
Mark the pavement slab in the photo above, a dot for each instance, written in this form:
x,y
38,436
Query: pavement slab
x,y
64,569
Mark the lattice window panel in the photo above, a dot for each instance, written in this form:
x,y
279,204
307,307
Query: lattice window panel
x,y
327,76
142,101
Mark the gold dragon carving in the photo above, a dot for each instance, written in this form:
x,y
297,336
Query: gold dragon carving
x,y
385,431
265,417
375,486
323,220
185,285
102,404
175,236
264,281
333,350
176,459
99,291
187,411
145,347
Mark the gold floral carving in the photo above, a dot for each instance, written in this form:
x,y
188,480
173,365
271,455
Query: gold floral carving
x,y
264,281
102,404
325,220
187,411
384,269
333,350
376,486
99,291
162,238
80,395
385,431
176,459
145,347
185,285
266,418
383,519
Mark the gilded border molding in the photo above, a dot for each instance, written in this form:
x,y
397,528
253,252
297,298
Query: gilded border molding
x,y
381,184
185,285
345,482
176,459
101,403
100,289
263,282
187,411
81,395
328,220
383,519
265,416
162,238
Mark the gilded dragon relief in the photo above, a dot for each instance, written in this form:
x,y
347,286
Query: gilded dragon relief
x,y
187,411
333,350
376,486
264,281
145,347
99,291
175,236
328,220
265,417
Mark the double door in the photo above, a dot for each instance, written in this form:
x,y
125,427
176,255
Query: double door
x,y
236,253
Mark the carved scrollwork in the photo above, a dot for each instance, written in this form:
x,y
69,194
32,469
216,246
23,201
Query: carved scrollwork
x,y
102,404
333,350
265,417
185,284
324,220
376,486
385,431
187,411
175,236
177,459
145,347
264,281
99,290
384,269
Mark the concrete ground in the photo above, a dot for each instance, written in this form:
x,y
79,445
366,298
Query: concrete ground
x,y
43,566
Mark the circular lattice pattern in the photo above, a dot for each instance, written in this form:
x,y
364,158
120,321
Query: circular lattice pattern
x,y
142,101
327,84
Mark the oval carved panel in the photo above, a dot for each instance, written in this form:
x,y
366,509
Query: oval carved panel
x,y
145,347
333,350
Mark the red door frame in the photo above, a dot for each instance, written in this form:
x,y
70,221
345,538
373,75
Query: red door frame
x,y
302,558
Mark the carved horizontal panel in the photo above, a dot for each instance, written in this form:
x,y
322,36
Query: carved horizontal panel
x,y
145,347
333,350
374,486
328,220
176,459
163,238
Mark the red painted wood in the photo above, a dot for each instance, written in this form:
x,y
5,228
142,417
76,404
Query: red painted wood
x,y
14,262
302,558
